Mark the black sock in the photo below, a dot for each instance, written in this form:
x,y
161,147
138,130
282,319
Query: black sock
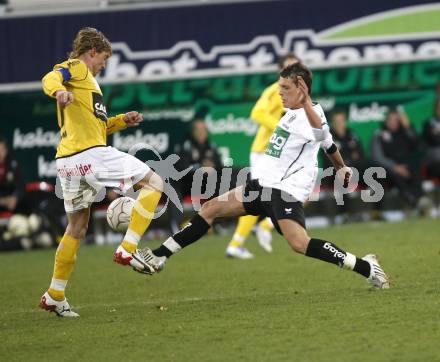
x,y
192,232
162,251
362,267
327,251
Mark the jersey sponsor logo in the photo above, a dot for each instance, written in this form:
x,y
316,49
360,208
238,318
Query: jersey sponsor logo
x,y
73,62
77,170
98,107
277,141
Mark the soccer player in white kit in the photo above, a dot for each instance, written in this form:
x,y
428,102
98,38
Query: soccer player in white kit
x,y
288,173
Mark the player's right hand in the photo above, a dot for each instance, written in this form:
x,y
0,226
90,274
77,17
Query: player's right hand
x,y
64,98
304,91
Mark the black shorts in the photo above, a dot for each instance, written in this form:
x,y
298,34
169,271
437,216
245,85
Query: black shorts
x,y
272,203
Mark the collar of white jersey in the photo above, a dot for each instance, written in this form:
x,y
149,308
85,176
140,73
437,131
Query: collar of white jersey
x,y
298,109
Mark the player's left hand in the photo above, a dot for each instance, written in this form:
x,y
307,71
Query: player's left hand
x,y
344,174
133,118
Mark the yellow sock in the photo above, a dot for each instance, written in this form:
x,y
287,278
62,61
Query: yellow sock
x,y
244,228
141,217
266,224
65,258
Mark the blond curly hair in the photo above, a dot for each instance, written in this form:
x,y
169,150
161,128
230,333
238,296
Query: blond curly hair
x,y
89,38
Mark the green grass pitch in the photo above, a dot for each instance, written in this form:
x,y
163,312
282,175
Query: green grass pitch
x,y
204,307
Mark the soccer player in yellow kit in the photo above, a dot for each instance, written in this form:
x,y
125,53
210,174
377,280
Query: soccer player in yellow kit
x,y
85,164
266,112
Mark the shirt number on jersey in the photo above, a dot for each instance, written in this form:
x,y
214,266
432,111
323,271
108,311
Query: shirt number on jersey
x,y
277,141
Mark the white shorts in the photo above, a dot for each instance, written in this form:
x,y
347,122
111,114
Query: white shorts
x,y
83,177
255,158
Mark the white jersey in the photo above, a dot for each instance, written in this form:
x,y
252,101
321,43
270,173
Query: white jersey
x,y
291,159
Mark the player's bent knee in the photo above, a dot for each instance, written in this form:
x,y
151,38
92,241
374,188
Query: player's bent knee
x,y
156,182
210,209
297,243
77,228
78,232
152,181
296,246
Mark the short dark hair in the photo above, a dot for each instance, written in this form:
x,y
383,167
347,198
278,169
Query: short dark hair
x,y
298,69
283,58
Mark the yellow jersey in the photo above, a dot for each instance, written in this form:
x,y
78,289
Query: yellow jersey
x,y
266,112
83,123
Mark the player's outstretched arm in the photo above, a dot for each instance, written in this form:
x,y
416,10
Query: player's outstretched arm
x,y
335,158
343,172
122,121
133,118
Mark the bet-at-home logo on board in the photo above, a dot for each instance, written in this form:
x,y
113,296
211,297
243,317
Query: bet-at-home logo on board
x,y
400,35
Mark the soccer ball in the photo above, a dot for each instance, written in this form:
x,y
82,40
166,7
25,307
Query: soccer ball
x,y
119,213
